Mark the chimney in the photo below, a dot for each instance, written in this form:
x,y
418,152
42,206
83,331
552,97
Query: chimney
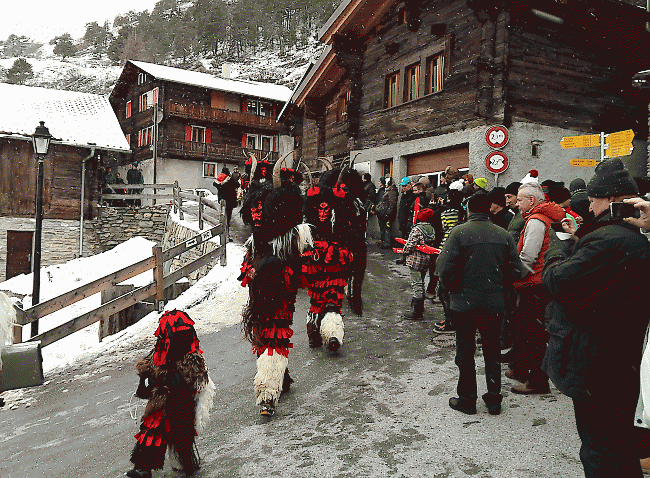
x,y
225,70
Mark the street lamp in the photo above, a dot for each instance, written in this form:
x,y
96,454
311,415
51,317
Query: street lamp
x,y
41,142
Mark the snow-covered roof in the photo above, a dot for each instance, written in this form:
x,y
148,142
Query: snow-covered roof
x,y
76,119
244,87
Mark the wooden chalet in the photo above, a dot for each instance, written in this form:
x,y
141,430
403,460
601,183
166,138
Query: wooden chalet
x,y
205,122
409,87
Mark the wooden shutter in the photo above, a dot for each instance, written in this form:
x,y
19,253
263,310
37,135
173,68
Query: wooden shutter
x,y
208,135
275,143
244,140
244,105
140,138
273,110
155,95
188,133
128,139
128,109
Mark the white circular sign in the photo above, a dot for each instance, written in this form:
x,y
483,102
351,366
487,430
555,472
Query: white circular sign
x,y
497,136
496,162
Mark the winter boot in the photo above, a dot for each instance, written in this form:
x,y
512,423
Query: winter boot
x,y
416,311
286,383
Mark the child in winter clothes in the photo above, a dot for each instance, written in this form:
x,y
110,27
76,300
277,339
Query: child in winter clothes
x,y
418,262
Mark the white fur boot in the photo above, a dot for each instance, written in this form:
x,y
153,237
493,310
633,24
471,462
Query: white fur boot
x,y
269,377
331,330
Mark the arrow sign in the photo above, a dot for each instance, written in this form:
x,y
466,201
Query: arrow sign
x,y
618,150
620,138
584,162
586,141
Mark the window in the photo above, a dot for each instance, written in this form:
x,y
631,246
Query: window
x,y
259,108
434,74
412,82
128,139
198,134
251,141
342,107
142,78
392,86
145,136
128,109
148,99
266,143
209,170
260,142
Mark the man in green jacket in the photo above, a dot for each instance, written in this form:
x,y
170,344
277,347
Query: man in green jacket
x,y
477,262
598,317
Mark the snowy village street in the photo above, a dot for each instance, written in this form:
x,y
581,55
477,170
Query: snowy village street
x,y
377,408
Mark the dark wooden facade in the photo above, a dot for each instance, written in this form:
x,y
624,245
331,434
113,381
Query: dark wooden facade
x,y
222,114
62,180
502,64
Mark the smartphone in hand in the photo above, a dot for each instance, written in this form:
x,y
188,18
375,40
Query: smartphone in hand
x,y
620,210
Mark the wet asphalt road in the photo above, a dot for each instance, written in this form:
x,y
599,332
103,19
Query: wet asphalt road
x,y
377,408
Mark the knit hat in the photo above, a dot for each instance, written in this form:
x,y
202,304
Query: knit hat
x,y
405,181
425,215
382,180
513,188
611,179
498,196
479,203
577,184
457,185
424,181
559,195
481,182
531,177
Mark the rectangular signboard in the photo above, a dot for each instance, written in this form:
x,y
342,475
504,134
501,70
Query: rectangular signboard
x,y
584,162
617,151
587,141
620,138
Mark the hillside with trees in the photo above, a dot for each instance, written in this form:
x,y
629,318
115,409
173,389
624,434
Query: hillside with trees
x,y
264,40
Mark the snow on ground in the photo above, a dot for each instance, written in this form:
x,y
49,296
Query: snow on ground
x,y
214,302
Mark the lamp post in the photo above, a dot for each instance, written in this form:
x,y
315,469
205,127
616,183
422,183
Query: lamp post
x,y
41,142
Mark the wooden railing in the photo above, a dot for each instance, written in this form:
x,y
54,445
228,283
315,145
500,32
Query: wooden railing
x,y
116,193
214,151
206,209
205,113
155,288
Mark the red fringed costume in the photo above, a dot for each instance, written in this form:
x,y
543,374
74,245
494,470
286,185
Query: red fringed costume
x,y
174,378
327,266
271,270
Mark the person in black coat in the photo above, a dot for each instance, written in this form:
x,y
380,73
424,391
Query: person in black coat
x,y
227,191
597,321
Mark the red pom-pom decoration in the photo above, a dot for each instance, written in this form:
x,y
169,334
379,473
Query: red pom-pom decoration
x,y
533,173
313,191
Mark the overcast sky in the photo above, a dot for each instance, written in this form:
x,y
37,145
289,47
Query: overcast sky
x,y
42,20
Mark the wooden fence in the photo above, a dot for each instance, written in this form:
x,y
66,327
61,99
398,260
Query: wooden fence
x,y
155,288
206,209
115,194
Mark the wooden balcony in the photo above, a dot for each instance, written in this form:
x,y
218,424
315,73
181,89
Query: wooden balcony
x,y
205,113
212,152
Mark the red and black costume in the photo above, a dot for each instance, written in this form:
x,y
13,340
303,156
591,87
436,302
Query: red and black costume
x,y
174,378
326,267
271,270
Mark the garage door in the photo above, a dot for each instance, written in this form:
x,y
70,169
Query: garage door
x,y
438,160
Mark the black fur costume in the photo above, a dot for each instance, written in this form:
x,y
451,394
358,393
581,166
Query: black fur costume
x,y
271,269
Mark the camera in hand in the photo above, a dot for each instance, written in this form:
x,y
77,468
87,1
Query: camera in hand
x,y
557,227
620,210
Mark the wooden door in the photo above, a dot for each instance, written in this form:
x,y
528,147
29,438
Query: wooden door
x,y
19,253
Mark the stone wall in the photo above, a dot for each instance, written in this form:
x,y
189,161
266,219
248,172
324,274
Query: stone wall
x,y
115,225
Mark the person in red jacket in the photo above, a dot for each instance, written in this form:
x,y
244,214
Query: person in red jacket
x,y
530,336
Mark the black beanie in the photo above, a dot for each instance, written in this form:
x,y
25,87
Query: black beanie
x,y
577,184
513,188
498,196
559,195
611,179
479,203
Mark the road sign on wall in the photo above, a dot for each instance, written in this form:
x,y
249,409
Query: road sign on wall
x,y
496,162
584,162
586,141
497,136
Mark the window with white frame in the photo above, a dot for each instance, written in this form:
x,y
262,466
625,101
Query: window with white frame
x,y
209,170
261,142
198,134
145,136
148,99
142,78
259,108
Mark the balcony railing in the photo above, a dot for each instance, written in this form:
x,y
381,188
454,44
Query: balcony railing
x,y
205,113
209,151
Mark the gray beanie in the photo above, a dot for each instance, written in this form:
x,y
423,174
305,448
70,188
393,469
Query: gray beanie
x,y
577,184
611,179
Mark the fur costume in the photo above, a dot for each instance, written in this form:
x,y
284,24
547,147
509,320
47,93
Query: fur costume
x,y
326,267
271,270
174,379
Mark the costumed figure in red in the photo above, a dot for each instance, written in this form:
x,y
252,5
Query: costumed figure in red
x,y
271,270
326,267
174,378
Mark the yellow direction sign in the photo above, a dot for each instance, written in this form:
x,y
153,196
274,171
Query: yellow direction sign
x,y
584,162
615,151
620,138
586,141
